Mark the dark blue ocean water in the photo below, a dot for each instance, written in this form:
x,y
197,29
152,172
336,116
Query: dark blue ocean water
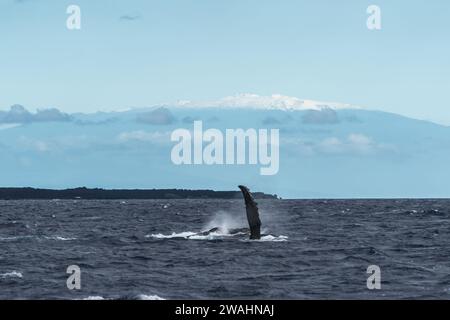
x,y
146,249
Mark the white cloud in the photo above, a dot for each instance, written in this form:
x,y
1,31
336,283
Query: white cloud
x,y
354,143
361,143
331,145
55,143
275,101
34,144
41,146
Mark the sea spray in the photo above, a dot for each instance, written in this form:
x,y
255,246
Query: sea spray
x,y
224,221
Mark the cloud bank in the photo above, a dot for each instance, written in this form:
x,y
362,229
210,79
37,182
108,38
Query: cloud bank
x,y
160,116
18,114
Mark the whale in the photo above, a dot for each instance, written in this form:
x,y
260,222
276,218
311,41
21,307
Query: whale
x,y
253,219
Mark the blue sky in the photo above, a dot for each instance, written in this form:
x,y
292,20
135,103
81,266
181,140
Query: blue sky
x,y
204,50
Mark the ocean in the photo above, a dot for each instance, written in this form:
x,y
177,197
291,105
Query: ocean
x,y
150,249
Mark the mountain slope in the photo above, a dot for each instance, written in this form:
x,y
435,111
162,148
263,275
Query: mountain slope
x,y
324,152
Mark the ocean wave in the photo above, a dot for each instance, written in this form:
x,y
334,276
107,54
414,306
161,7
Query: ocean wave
x,y
138,297
59,238
212,236
194,235
269,238
149,297
14,238
184,235
13,274
94,298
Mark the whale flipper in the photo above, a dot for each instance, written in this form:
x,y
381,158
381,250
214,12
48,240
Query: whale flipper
x,y
252,213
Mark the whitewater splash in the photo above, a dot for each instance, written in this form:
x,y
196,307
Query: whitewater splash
x,y
138,297
60,238
149,297
192,235
219,234
94,298
13,274
224,222
224,225
270,237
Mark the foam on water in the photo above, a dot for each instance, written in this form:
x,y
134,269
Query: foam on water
x,y
14,238
210,236
94,298
190,235
149,297
213,236
324,246
185,235
59,238
270,237
13,274
138,297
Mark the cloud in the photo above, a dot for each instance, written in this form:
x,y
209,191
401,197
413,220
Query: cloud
x,y
160,116
275,101
331,145
53,114
18,114
127,17
361,142
33,144
60,144
353,144
324,116
96,122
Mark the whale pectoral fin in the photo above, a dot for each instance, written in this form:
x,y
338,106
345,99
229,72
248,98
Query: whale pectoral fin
x,y
206,233
252,213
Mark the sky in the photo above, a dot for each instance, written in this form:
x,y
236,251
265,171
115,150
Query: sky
x,y
138,53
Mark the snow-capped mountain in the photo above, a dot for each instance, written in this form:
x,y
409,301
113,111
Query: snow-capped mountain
x,y
275,101
326,149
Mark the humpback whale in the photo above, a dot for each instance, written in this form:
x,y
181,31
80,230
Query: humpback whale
x,y
252,213
253,219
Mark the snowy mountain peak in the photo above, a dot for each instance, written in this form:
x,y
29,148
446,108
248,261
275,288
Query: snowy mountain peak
x,y
275,101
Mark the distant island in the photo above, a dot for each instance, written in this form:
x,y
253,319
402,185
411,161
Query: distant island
x,y
105,194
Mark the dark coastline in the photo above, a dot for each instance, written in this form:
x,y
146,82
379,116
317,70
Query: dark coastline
x,y
105,194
